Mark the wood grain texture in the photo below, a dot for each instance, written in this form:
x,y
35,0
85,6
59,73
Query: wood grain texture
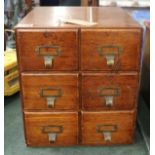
x,y
29,39
127,85
34,123
128,39
80,73
32,84
124,120
105,17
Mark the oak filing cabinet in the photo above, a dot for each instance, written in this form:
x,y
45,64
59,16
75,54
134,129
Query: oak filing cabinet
x,y
79,84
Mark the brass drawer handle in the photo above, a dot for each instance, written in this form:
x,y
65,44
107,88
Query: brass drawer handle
x,y
108,93
110,52
106,130
52,132
50,94
48,56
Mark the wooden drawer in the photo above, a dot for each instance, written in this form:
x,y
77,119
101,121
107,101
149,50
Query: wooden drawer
x,y
107,128
110,49
47,49
51,129
103,91
50,91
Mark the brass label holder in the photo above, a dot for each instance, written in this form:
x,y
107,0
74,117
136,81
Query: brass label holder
x,y
51,97
48,57
106,130
52,132
108,93
110,52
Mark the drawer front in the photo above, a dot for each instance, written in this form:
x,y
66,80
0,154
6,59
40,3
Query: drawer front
x,y
51,129
47,49
109,91
110,49
50,91
108,127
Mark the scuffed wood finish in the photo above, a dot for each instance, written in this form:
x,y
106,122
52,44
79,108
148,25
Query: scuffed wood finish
x,y
126,84
78,75
35,122
105,17
29,39
32,84
123,120
127,39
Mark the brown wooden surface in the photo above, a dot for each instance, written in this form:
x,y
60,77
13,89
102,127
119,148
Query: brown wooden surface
x,y
33,83
127,84
105,17
125,122
29,39
79,71
128,40
34,123
89,2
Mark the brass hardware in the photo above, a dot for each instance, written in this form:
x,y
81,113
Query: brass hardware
x,y
107,136
52,137
52,132
106,130
110,52
51,101
48,61
48,57
110,59
51,98
108,94
109,101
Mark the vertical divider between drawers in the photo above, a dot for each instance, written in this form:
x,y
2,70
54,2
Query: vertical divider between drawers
x,y
80,86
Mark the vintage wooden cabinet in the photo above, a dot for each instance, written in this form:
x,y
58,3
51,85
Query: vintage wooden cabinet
x,y
79,84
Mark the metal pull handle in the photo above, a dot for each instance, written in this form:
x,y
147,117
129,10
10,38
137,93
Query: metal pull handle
x,y
52,137
51,101
48,61
110,59
50,94
52,132
107,136
109,101
108,94
110,52
49,56
106,130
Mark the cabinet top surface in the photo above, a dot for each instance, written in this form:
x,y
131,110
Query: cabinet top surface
x,y
53,17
